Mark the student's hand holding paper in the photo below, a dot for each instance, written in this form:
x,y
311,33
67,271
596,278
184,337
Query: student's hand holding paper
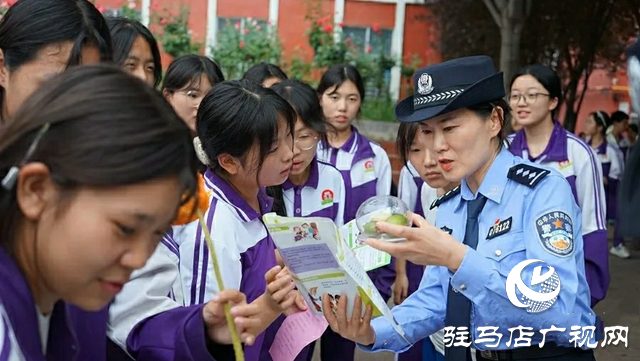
x,y
357,328
299,304
245,317
280,289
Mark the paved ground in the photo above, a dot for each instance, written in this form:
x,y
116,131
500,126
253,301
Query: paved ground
x,y
620,308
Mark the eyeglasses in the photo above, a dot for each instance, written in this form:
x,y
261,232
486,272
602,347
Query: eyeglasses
x,y
194,97
306,141
529,98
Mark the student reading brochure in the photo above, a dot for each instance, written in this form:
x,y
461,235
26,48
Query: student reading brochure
x,y
322,262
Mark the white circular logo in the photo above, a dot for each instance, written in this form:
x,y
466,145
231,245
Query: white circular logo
x,y
541,294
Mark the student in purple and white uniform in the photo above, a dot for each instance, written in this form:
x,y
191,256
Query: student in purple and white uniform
x,y
314,188
244,139
266,74
617,126
56,276
364,166
135,49
408,275
612,169
187,80
534,99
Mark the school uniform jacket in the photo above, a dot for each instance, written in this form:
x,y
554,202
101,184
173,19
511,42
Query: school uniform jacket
x,y
244,250
579,164
366,172
75,334
323,194
410,188
612,161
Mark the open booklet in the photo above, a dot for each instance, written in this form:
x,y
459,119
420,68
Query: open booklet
x,y
322,262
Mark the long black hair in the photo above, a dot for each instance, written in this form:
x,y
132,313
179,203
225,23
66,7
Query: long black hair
x,y
185,71
124,32
30,25
105,128
304,100
263,71
337,75
237,114
545,76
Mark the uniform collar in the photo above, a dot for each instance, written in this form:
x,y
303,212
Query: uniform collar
x,y
494,181
226,193
21,310
357,144
556,150
312,181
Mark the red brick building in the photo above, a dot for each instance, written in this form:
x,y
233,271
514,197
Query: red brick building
x,y
404,27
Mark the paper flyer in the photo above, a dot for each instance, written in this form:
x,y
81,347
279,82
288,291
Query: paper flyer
x,y
321,262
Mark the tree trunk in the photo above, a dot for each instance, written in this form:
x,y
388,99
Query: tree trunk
x,y
509,54
509,15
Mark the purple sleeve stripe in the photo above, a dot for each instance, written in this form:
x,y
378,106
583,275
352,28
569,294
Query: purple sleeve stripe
x,y
6,343
205,255
171,245
220,194
196,258
596,181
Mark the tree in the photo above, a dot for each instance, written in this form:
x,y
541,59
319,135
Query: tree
x,y
574,37
510,16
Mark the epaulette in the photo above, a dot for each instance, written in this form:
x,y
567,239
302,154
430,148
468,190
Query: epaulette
x,y
527,174
443,198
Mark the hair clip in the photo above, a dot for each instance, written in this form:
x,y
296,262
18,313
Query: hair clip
x,y
202,155
9,180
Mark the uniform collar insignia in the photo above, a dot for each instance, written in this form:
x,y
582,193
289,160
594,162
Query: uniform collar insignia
x,y
443,198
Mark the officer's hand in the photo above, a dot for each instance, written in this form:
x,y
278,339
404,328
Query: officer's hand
x,y
245,317
426,244
357,328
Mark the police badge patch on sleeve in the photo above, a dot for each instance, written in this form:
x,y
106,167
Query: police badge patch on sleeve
x,y
555,231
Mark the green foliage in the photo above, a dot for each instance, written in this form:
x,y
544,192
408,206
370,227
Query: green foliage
x,y
129,10
298,68
176,37
240,47
379,109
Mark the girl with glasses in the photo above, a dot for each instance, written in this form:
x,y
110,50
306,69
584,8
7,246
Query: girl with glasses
x,y
188,79
314,188
535,98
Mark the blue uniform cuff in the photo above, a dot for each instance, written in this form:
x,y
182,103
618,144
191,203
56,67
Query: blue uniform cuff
x,y
387,339
472,275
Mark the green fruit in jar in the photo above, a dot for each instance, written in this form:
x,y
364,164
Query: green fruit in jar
x,y
370,228
397,219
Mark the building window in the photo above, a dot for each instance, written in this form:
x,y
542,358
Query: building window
x,y
366,38
128,13
240,23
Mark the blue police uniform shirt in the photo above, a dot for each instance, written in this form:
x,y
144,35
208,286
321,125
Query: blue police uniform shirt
x,y
518,223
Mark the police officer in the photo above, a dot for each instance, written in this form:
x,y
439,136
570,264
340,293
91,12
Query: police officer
x,y
508,214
